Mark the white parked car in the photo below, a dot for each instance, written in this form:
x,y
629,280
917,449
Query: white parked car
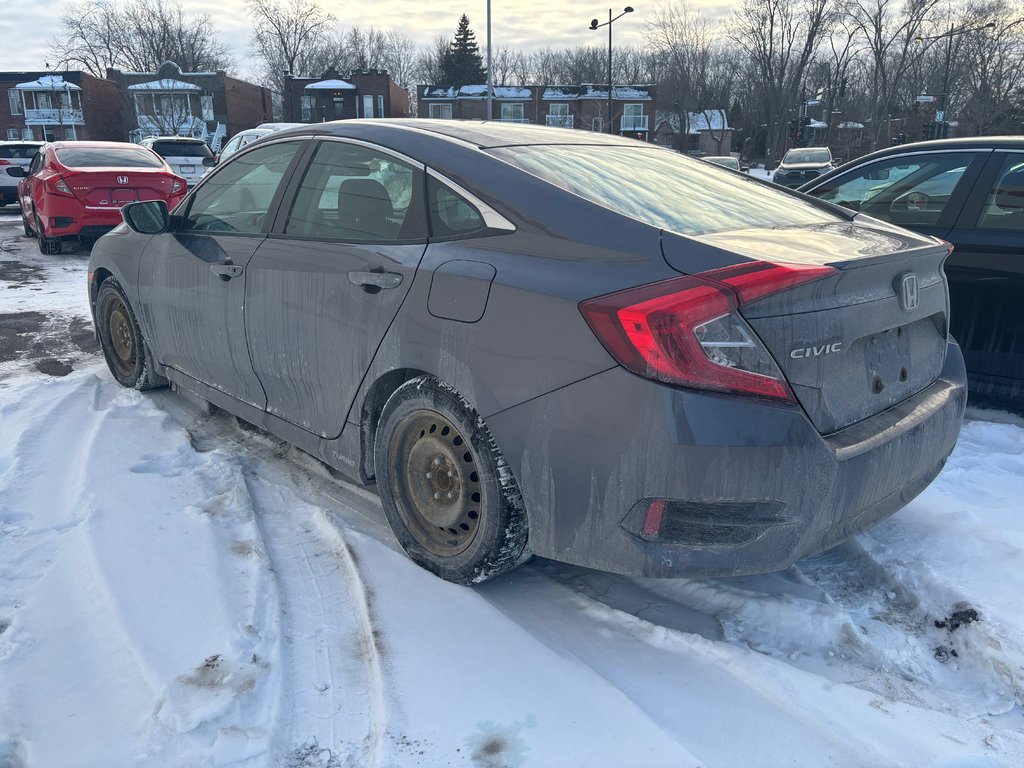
x,y
14,154
189,158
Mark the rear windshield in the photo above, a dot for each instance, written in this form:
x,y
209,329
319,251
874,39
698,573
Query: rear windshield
x,y
108,157
665,189
181,149
18,151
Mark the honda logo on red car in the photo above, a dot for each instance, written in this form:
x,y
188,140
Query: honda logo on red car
x,y
122,180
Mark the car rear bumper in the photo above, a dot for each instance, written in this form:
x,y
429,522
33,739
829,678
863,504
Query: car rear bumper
x,y
751,486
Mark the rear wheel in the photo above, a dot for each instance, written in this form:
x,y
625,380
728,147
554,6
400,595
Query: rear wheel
x,y
445,487
49,246
121,339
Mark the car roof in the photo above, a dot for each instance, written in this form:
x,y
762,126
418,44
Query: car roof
x,y
480,133
183,139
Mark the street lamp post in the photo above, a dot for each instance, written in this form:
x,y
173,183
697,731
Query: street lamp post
x,y
595,25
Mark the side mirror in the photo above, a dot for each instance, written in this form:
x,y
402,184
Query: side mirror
x,y
148,217
209,162
837,161
16,171
744,169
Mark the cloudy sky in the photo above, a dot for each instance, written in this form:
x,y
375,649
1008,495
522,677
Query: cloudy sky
x,y
517,23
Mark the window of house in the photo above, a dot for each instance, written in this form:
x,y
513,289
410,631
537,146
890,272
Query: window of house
x,y
48,133
597,124
339,105
26,134
12,134
207,105
42,100
308,105
368,106
441,111
359,195
380,106
513,113
14,97
70,133
558,114
633,117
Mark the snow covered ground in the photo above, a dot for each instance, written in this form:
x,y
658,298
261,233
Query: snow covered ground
x,y
177,589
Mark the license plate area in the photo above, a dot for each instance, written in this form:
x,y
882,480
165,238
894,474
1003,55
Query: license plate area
x,y
119,196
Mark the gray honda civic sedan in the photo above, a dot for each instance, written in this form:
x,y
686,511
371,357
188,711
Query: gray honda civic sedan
x,y
543,341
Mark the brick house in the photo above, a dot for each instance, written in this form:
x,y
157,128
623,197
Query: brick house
x,y
706,133
212,106
565,106
362,93
58,106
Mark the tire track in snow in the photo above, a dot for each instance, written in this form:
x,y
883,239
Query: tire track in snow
x,y
332,661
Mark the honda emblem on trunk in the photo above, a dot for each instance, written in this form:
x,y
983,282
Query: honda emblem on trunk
x,y
122,180
908,292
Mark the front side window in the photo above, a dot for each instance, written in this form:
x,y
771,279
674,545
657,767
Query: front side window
x,y
238,196
14,97
910,190
357,194
665,189
1004,207
441,111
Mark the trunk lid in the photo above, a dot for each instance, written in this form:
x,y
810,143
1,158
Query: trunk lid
x,y
853,343
115,187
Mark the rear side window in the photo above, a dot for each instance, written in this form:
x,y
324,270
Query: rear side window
x,y
665,189
18,151
450,214
108,157
1004,207
910,190
181,149
354,193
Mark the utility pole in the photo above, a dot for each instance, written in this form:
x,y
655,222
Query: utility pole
x,y
490,68
595,25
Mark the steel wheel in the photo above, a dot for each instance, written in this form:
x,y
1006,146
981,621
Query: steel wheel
x,y
122,338
446,489
436,482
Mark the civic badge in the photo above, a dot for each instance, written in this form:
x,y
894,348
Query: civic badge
x,y
908,291
122,180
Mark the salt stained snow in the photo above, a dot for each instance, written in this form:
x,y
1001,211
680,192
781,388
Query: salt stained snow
x,y
179,590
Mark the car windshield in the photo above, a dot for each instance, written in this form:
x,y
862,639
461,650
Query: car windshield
x,y
807,156
665,189
108,157
181,149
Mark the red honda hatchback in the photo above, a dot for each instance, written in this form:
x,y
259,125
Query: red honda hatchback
x,y
75,189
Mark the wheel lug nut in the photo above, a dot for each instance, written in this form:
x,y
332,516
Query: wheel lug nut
x,y
451,494
429,475
449,473
436,462
437,495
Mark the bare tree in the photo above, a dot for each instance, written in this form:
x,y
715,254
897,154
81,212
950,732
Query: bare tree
x,y
400,58
429,62
781,38
292,36
991,71
137,35
888,29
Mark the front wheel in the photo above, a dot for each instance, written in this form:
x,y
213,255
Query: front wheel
x,y
48,246
445,487
121,339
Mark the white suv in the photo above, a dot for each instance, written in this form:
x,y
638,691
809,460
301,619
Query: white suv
x,y
189,158
14,154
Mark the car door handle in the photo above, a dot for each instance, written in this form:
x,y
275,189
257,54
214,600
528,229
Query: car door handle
x,y
226,271
378,280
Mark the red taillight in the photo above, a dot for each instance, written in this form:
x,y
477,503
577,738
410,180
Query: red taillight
x,y
178,186
686,330
59,186
4,162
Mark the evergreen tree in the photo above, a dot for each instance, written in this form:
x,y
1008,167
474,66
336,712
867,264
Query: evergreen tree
x,y
462,63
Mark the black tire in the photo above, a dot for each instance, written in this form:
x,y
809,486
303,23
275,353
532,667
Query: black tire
x,y
446,488
121,340
48,246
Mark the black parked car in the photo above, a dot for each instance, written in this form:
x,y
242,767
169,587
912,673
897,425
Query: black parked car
x,y
549,341
971,193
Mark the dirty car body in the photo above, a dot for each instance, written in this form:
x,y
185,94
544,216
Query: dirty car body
x,y
718,388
